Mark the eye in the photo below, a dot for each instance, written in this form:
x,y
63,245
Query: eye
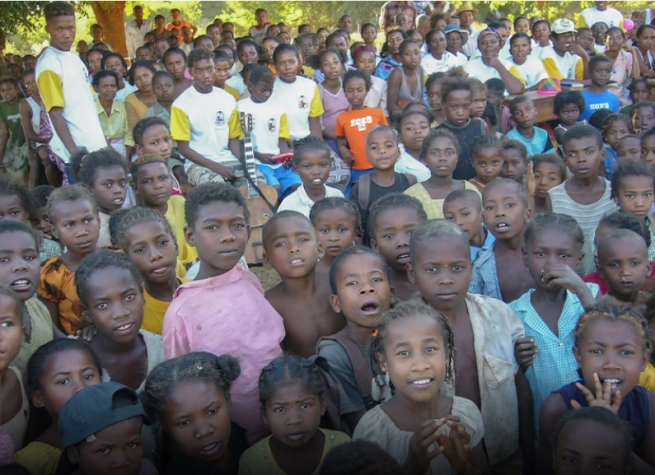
x,y
101,306
183,423
213,411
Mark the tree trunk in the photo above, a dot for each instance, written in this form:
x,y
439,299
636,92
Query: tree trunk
x,y
110,15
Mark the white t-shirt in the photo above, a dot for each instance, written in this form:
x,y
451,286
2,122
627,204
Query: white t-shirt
x,y
432,65
475,68
532,71
300,100
207,122
269,124
611,17
62,78
301,202
560,67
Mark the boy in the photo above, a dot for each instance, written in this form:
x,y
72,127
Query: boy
x,y
63,81
535,139
214,32
100,419
223,65
464,208
13,147
224,310
629,148
565,59
515,161
500,271
597,96
205,124
311,161
292,249
270,131
483,330
258,31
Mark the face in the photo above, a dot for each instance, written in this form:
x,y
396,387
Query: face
x,y
29,83
156,140
437,44
488,163
114,64
164,89
465,213
12,208
314,168
197,418
274,30
261,91
366,62
458,106
569,114
520,49
355,90
76,225
599,30
160,22
9,92
640,92
346,23
292,249
11,331
583,156
524,114
268,47
504,213
644,119
143,79
336,229
338,42
160,48
41,221
647,39
629,149
465,19
20,267
176,65
392,230
522,26
154,184
411,56
65,374
96,33
222,72
144,54
110,188
215,34
369,34
601,73
62,32
393,42
434,96
153,250
94,59
307,47
206,43
248,55
614,351
624,264
489,46
382,150
322,36
220,234
262,17
287,66
284,37
648,149
541,32
441,157
107,88
478,103
203,73
514,165
546,176
413,130
415,357
548,249
454,41
331,66
585,39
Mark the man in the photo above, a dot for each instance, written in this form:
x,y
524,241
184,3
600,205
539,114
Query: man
x,y
466,14
214,32
160,30
98,38
391,9
600,12
179,23
135,31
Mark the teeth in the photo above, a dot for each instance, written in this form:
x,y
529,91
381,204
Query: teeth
x,y
421,381
124,327
21,282
297,261
612,380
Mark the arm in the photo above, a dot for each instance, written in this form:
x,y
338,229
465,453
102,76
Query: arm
x,y
552,410
315,126
54,313
345,152
526,429
393,86
61,127
549,204
195,157
644,463
512,83
26,122
235,146
4,138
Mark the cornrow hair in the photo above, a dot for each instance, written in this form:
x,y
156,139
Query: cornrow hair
x,y
144,160
137,215
195,367
436,134
612,119
335,202
289,369
562,222
628,168
103,259
114,222
615,312
9,187
84,165
311,142
436,230
515,145
210,193
390,201
144,124
621,220
550,158
343,256
68,194
412,308
485,141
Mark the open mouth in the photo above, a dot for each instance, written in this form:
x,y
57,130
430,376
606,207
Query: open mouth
x,y
502,227
403,258
614,382
118,201
211,449
370,308
298,261
295,436
21,285
316,181
421,383
124,328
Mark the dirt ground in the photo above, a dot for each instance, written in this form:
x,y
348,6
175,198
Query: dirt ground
x,y
268,278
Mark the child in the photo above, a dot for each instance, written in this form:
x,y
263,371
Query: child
x,y
39,219
535,139
456,96
567,106
609,375
413,128
270,131
104,418
15,405
515,161
614,128
63,81
332,93
217,225
478,98
441,268
223,64
597,96
586,195
464,208
648,147
353,458
292,397
362,293
405,84
104,173
111,299
352,126
548,171
337,223
487,158
311,161
439,154
364,58
196,386
552,252
56,371
74,216
112,114
628,148
643,116
418,416
433,91
13,147
592,439
500,271
153,184
391,221
292,249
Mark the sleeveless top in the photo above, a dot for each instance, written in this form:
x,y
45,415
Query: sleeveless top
x,y
635,408
405,95
17,426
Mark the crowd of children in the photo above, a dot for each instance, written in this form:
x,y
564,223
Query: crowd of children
x,y
461,289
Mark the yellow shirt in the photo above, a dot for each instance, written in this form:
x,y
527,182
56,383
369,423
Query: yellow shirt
x,y
115,126
175,216
433,208
647,378
153,313
232,91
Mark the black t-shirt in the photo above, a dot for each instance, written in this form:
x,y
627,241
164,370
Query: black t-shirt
x,y
465,135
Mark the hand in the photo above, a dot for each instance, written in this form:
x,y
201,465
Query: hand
x,y
579,50
561,275
530,182
603,397
348,157
38,237
223,171
266,158
455,446
420,455
525,350
492,61
87,333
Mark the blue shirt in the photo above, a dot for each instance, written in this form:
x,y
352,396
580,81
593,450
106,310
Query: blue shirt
x,y
484,280
475,251
386,67
539,143
611,161
595,102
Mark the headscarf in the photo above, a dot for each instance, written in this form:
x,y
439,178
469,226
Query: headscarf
x,y
487,32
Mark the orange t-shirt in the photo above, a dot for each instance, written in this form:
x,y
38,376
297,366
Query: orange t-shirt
x,y
354,125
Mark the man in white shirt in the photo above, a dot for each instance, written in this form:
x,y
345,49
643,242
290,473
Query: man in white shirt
x,y
600,12
465,13
135,31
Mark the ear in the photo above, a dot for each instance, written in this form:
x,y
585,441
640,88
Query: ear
x,y
392,294
323,407
576,353
646,359
321,252
528,214
189,236
410,273
71,452
264,416
37,399
580,258
525,256
249,231
374,245
267,261
615,199
382,363
55,233
334,302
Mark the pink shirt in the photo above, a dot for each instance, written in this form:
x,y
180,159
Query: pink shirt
x,y
228,314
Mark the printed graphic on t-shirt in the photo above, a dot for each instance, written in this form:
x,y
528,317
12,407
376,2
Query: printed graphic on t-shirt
x,y
272,126
361,122
598,106
302,103
220,119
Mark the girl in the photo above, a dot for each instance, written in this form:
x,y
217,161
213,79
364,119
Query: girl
x,y
439,154
369,33
152,136
405,85
145,235
13,400
105,174
552,253
433,90
639,90
190,397
392,59
546,171
292,395
643,116
55,372
413,128
74,216
567,106
648,147
13,148
624,66
30,112
487,160
478,98
332,94
364,60
612,347
337,223
138,102
111,299
614,128
414,346
530,68
643,51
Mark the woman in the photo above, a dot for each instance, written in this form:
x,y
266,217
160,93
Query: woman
x,y
624,68
138,102
392,59
643,51
488,65
531,70
437,59
455,39
115,62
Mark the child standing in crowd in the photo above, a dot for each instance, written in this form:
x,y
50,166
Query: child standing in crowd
x,y
648,147
535,139
568,106
548,171
464,208
332,93
13,147
515,161
413,128
337,223
487,158
364,61
614,128
643,116
597,96
405,84
628,148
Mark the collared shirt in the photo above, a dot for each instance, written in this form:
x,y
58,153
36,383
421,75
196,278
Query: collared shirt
x,y
410,165
115,125
484,280
555,364
299,201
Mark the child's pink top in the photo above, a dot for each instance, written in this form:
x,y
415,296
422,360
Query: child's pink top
x,y
228,314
